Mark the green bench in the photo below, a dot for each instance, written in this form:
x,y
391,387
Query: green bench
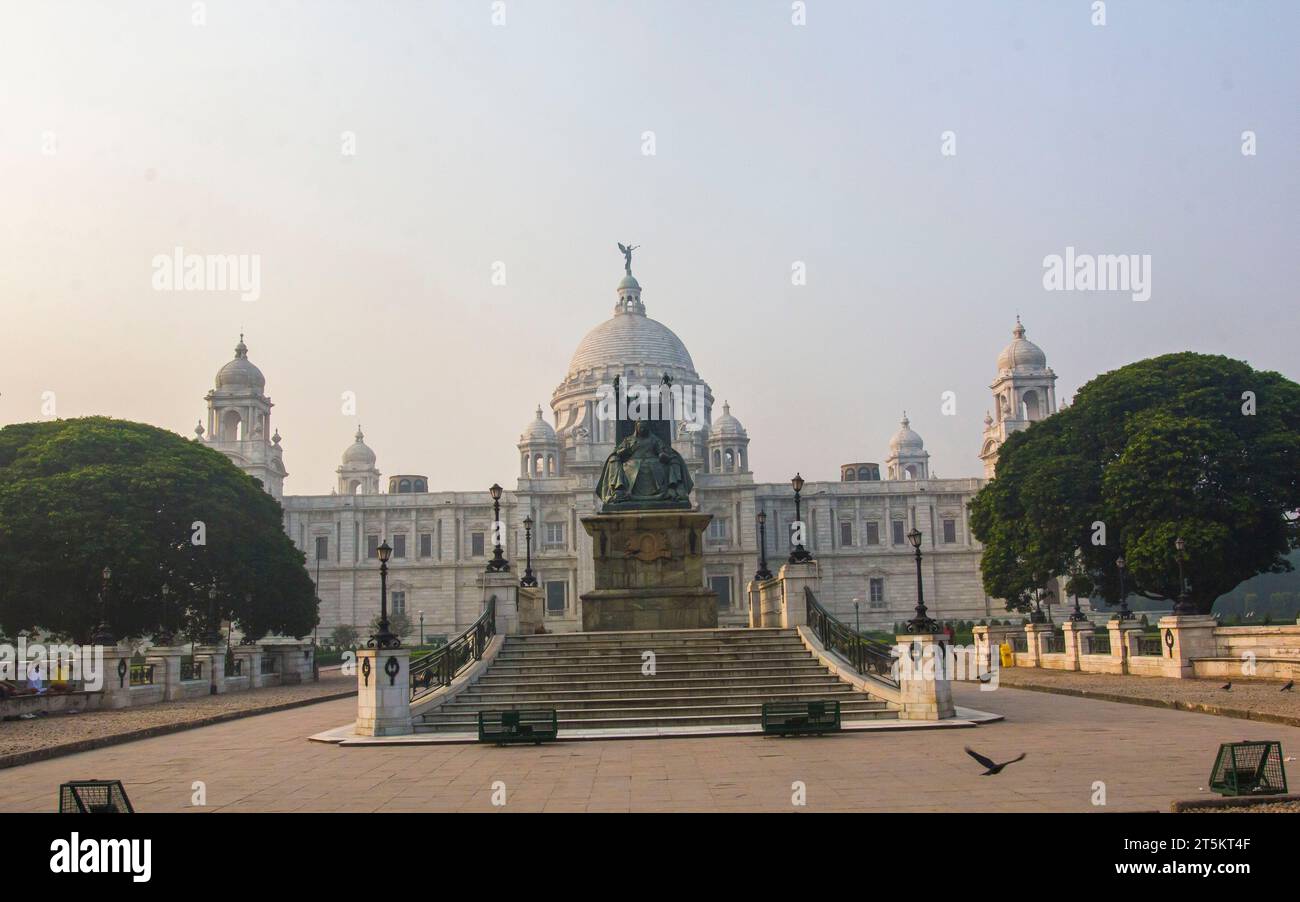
x,y
794,718
504,727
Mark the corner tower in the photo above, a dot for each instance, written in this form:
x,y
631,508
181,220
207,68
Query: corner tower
x,y
239,422
1024,392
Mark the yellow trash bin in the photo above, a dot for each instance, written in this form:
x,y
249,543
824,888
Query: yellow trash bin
x,y
1008,656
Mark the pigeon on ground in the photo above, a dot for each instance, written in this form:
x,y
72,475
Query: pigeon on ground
x,y
1290,684
1226,687
993,768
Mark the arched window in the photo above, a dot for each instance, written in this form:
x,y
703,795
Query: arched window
x,y
729,461
1030,406
717,460
539,466
550,465
232,426
850,475
354,487
421,486
864,473
404,487
909,472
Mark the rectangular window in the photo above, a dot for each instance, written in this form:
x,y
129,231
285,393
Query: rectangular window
x,y
717,530
372,546
476,544
397,602
399,544
950,531
554,534
846,532
722,585
322,548
557,596
426,544
873,533
899,538
877,587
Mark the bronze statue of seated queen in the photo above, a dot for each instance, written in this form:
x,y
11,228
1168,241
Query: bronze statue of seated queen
x,y
644,473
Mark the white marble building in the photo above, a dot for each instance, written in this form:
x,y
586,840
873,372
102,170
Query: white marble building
x,y
443,539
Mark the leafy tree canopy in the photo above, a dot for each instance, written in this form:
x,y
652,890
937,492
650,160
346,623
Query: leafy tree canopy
x,y
1185,445
79,495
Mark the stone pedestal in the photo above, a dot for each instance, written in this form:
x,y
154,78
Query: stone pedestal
x,y
214,665
383,692
251,658
167,670
649,572
989,641
795,578
924,683
530,610
505,586
1078,633
1186,636
1123,640
1034,635
293,661
117,677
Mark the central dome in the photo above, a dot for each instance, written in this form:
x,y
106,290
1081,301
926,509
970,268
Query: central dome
x,y
631,339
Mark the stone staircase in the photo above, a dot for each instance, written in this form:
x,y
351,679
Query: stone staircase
x,y
704,679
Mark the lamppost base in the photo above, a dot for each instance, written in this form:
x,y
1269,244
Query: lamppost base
x,y
498,564
103,635
800,555
1077,616
763,575
528,580
1037,617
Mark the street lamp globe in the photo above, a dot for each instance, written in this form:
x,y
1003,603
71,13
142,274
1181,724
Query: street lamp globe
x,y
385,552
914,537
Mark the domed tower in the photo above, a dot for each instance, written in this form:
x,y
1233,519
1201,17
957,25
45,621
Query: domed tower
x,y
357,473
1024,392
639,351
539,450
239,422
728,444
907,458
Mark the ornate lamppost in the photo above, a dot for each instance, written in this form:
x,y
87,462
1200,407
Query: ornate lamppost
x,y
799,555
498,564
528,578
762,573
1184,604
421,627
383,637
165,635
212,636
1124,612
922,622
103,634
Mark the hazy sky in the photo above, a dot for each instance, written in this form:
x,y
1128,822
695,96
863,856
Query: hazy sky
x,y
126,130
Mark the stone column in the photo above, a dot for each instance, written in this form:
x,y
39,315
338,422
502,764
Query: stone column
x,y
1077,635
293,661
214,665
1034,634
1123,640
924,683
505,586
1183,637
251,658
755,604
117,677
531,615
384,692
794,579
167,670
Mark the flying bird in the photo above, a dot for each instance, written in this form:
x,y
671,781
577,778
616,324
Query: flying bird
x,y
992,767
1226,687
1290,684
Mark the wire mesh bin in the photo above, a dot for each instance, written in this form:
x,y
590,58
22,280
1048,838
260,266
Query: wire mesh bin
x,y
1249,768
94,797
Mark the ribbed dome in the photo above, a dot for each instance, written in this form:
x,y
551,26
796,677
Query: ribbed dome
x,y
240,373
727,425
905,440
538,432
1021,353
358,453
631,339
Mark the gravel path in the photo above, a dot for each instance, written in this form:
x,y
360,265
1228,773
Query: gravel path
x,y
23,741
1274,808
1256,700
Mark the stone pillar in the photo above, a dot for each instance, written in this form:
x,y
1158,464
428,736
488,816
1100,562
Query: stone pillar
x,y
1078,633
1183,637
755,601
1034,634
384,691
167,670
1123,640
251,658
117,677
505,586
794,579
924,683
214,665
531,618
293,661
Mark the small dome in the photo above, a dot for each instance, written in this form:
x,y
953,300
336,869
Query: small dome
x,y
631,339
538,431
1022,353
905,440
727,425
629,282
358,453
240,372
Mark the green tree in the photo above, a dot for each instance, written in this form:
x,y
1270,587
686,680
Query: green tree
x,y
344,636
172,519
1156,450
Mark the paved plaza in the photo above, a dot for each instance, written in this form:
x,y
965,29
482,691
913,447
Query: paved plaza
x,y
1147,757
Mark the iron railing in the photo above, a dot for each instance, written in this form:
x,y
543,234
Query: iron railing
x,y
268,663
1019,643
142,674
234,667
1100,644
440,666
1054,644
1149,646
191,670
866,656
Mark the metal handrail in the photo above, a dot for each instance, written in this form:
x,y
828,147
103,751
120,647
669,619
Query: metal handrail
x,y
440,666
866,656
